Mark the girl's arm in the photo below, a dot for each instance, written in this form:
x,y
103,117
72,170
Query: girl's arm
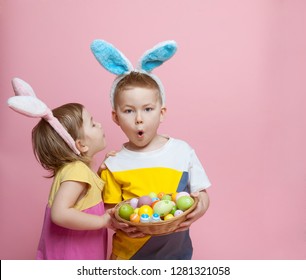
x,y
116,225
103,166
63,214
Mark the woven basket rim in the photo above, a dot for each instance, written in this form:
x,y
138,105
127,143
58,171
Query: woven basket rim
x,y
161,223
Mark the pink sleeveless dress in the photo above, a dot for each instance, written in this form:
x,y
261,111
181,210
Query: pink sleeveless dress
x,y
59,243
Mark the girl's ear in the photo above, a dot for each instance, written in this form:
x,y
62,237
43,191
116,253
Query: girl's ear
x,y
80,146
115,117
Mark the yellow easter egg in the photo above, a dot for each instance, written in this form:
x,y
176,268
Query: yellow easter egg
x,y
145,209
168,217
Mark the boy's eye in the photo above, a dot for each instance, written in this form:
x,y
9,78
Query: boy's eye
x,y
95,124
128,111
148,109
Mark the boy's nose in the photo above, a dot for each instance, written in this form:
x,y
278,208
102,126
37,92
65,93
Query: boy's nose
x,y
138,119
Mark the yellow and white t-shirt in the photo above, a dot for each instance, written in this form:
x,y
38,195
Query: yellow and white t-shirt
x,y
172,168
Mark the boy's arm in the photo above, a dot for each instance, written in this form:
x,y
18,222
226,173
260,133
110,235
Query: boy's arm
x,y
198,212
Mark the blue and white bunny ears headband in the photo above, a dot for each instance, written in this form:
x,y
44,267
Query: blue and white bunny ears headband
x,y
116,63
26,103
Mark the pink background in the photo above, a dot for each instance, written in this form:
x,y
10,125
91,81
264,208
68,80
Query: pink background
x,y
236,92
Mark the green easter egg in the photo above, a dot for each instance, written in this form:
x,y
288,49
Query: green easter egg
x,y
125,211
184,202
163,207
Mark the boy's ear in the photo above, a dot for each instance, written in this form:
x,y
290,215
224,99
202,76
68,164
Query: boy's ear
x,y
80,146
115,117
163,112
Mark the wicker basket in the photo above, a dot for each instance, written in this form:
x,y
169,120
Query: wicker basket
x,y
157,228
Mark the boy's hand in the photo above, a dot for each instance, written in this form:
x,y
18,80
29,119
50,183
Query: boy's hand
x,y
103,166
198,212
133,232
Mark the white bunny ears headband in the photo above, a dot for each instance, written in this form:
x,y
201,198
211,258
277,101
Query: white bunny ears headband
x,y
26,103
116,63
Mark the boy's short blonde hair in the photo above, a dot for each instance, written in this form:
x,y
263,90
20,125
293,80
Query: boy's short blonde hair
x,y
136,79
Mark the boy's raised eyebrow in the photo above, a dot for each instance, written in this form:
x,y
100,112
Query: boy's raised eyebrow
x,y
127,105
132,106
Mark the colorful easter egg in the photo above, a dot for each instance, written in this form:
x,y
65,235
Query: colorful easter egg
x,y
174,208
184,202
160,195
144,218
154,199
125,211
173,196
163,207
155,218
135,218
166,197
178,212
144,200
154,202
152,195
168,217
134,202
145,209
180,194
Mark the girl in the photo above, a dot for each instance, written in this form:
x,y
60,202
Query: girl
x,y
65,141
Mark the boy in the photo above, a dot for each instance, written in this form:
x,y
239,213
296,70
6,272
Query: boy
x,y
150,162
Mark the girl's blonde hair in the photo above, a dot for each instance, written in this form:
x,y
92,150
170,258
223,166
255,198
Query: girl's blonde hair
x,y
49,148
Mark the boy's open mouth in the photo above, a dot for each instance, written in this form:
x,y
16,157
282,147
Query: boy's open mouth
x,y
140,133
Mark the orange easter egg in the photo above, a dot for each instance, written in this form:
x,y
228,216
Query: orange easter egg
x,y
154,202
135,218
173,196
160,195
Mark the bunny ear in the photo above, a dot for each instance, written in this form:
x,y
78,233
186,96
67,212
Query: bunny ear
x,y
110,57
157,55
22,88
28,105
